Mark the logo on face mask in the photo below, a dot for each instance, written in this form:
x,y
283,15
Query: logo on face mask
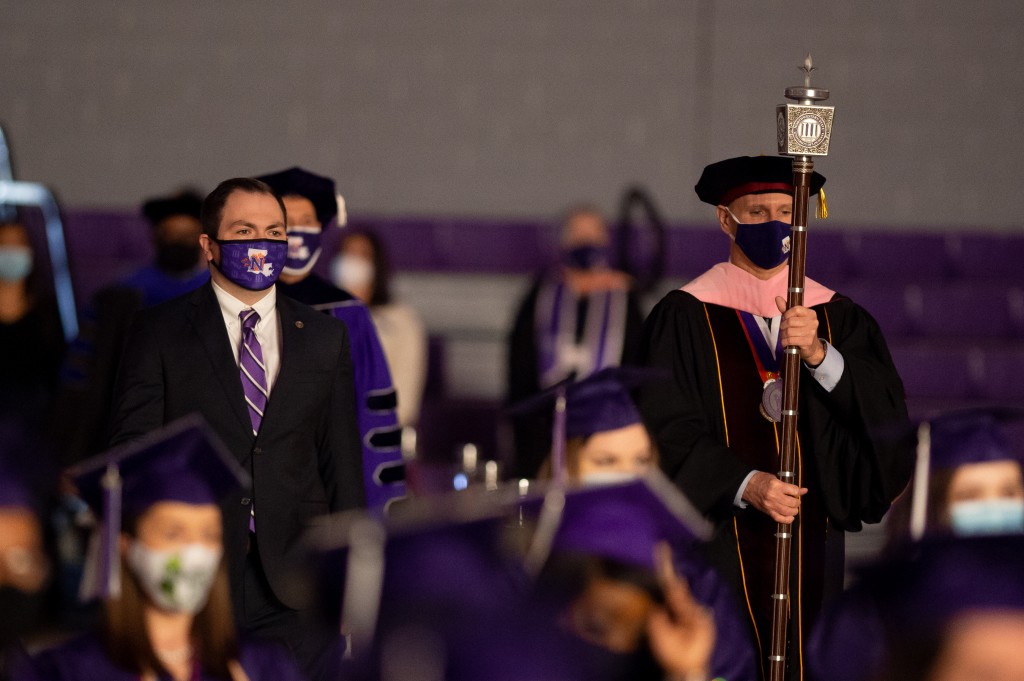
x,y
303,249
256,262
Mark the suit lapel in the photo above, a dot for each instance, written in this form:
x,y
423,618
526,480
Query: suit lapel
x,y
292,343
208,322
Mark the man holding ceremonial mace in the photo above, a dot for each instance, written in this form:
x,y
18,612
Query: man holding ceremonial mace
x,y
721,421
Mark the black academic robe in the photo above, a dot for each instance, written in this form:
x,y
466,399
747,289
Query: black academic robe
x,y
854,453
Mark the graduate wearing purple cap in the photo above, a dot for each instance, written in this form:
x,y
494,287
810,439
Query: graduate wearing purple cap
x,y
167,610
311,204
605,440
716,421
946,609
973,462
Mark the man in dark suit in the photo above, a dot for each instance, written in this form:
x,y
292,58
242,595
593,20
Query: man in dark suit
x,y
273,378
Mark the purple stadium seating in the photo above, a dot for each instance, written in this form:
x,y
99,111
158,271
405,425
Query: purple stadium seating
x,y
889,256
986,256
940,371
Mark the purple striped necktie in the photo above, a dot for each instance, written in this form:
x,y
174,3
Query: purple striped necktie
x,y
254,378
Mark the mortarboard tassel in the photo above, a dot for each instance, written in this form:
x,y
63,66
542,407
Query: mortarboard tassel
x,y
558,439
822,205
919,502
110,533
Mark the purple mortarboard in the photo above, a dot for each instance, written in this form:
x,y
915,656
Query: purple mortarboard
x,y
598,403
318,189
941,577
722,183
183,461
435,587
974,436
914,592
625,521
159,209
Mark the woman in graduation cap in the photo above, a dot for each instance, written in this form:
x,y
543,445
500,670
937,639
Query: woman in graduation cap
x,y
975,476
167,612
974,487
605,440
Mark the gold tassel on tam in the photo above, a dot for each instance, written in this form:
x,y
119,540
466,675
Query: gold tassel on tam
x,y
822,205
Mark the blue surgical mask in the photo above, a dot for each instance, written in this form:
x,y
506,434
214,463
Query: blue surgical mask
x,y
253,264
15,262
765,243
303,249
987,516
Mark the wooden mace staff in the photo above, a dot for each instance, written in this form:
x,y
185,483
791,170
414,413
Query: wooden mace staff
x,y
804,130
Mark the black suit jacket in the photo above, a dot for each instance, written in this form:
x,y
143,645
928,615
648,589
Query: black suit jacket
x,y
306,460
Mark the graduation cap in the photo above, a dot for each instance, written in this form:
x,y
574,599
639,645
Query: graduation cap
x,y
722,183
598,403
318,189
955,438
914,591
437,582
625,521
184,461
159,209
974,436
933,581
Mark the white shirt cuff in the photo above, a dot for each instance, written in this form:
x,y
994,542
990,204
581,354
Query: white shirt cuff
x,y
828,373
738,499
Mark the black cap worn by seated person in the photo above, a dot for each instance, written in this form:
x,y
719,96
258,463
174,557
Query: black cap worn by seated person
x,y
298,182
158,209
722,183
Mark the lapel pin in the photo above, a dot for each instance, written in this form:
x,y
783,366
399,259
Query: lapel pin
x,y
299,325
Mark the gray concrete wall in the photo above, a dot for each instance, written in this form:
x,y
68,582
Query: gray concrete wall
x,y
516,107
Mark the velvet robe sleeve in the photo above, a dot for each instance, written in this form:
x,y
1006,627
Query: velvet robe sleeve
x,y
859,433
683,411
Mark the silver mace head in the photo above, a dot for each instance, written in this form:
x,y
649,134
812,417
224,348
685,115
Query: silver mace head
x,y
804,128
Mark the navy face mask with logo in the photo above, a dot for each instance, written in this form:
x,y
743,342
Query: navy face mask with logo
x,y
303,249
765,243
253,264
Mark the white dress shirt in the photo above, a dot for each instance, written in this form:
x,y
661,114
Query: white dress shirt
x,y
267,330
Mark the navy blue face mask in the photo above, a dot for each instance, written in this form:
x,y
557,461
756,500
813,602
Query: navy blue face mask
x,y
585,257
765,243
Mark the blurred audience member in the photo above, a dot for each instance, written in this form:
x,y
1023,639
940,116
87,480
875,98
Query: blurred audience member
x,y
362,267
176,267
311,204
578,317
24,565
167,610
31,336
82,412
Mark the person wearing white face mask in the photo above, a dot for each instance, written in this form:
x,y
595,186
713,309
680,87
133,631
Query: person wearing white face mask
x,y
31,337
362,267
166,611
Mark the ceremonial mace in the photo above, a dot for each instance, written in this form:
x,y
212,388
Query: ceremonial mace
x,y
804,130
